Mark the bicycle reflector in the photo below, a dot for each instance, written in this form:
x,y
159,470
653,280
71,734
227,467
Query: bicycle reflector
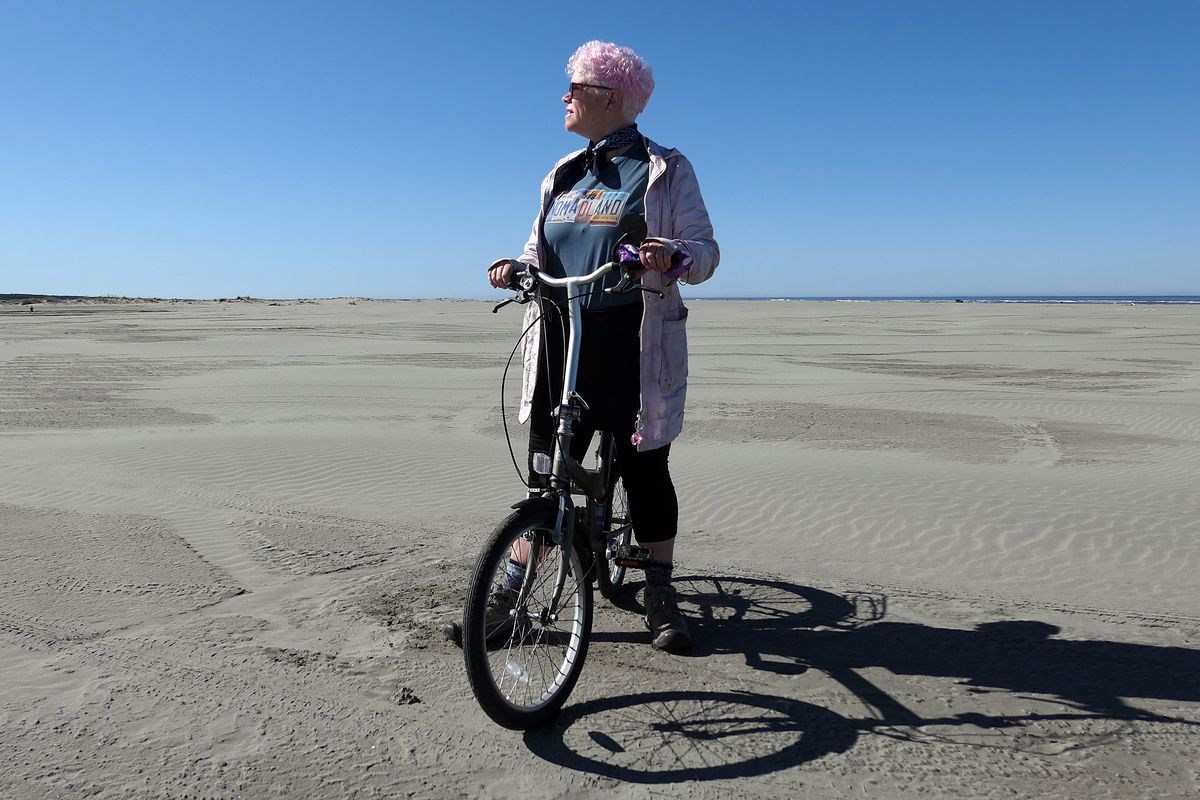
x,y
541,463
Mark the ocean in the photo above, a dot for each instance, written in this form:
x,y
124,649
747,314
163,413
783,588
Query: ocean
x,y
1163,299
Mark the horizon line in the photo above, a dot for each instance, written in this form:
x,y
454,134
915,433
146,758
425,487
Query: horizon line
x,y
10,298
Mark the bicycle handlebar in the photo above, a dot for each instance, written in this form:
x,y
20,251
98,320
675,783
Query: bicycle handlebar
x,y
593,276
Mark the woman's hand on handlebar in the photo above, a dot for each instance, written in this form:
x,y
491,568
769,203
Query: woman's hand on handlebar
x,y
502,272
655,255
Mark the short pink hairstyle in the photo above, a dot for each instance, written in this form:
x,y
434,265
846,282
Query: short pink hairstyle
x,y
607,64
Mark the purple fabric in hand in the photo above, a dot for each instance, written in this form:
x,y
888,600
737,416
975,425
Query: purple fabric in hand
x,y
680,263
627,252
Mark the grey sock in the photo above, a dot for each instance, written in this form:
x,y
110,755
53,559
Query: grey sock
x,y
659,573
514,573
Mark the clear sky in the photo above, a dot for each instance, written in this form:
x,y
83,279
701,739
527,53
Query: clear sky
x,y
392,149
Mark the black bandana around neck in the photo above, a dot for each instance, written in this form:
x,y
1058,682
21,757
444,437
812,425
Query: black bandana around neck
x,y
592,157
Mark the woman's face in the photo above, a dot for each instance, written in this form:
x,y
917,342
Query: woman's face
x,y
590,113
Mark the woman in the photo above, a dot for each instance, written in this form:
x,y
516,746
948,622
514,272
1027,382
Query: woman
x,y
633,359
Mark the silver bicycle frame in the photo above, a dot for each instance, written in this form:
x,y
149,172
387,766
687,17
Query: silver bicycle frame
x,y
565,407
564,523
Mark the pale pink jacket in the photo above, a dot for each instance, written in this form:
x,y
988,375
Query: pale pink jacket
x,y
675,213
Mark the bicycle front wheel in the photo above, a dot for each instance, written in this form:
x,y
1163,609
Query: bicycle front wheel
x,y
523,657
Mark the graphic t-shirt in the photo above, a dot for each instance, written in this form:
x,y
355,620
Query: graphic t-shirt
x,y
581,225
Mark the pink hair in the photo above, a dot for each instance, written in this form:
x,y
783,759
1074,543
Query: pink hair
x,y
607,64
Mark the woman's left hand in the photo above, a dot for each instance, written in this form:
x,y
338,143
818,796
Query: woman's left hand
x,y
655,255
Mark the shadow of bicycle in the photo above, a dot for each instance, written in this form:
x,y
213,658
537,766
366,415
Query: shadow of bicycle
x,y
664,737
786,629
668,736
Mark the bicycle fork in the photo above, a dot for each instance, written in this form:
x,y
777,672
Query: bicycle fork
x,y
561,537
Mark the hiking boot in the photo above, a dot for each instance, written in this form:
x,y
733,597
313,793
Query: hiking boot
x,y
497,618
668,627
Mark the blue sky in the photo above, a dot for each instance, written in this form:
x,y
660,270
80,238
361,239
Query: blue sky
x,y
206,149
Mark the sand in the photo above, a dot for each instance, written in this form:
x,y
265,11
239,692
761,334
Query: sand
x,y
935,550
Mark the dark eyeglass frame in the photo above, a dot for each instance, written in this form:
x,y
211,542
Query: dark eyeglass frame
x,y
571,89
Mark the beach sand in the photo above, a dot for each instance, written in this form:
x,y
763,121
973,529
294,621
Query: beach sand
x,y
938,550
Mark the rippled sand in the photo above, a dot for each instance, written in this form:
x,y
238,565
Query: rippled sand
x,y
936,550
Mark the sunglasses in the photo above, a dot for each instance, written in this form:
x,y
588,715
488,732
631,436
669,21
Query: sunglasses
x,y
577,86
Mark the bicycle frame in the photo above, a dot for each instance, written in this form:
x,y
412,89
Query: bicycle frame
x,y
565,469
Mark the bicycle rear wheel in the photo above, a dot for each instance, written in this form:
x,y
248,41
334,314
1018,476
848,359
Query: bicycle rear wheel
x,y
522,661
618,531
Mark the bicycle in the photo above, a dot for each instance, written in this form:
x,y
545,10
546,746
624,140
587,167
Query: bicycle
x,y
528,614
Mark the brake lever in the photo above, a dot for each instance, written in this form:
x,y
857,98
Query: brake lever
x,y
520,299
628,284
624,285
522,283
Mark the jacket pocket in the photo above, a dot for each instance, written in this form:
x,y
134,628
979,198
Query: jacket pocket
x,y
674,370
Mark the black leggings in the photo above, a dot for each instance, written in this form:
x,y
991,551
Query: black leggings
x,y
608,380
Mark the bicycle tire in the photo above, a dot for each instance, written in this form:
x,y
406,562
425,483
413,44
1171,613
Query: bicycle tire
x,y
617,526
522,671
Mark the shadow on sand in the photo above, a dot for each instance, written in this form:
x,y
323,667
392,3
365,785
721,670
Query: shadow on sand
x,y
787,629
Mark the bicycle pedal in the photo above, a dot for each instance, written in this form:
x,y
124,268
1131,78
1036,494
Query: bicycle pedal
x,y
630,555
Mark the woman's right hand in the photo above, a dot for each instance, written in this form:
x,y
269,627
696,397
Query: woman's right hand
x,y
500,273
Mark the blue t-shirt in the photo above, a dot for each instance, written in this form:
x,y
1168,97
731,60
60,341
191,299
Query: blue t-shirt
x,y
581,225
